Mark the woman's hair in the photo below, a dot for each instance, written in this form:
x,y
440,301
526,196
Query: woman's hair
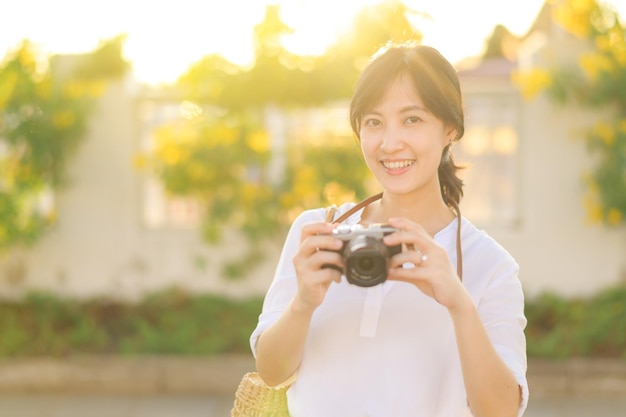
x,y
438,86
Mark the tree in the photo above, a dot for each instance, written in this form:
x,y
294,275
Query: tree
x,y
285,79
501,44
43,118
598,80
224,158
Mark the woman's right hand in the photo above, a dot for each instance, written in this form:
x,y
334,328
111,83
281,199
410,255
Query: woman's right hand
x,y
317,250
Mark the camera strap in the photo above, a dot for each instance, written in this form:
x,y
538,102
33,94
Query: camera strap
x,y
371,199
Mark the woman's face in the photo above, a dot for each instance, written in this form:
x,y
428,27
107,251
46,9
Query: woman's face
x,y
402,142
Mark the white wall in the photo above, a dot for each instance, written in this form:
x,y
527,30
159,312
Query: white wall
x,y
99,246
557,247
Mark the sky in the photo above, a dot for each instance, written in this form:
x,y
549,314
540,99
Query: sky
x,y
166,36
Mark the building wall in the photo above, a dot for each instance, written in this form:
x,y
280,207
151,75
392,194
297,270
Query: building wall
x,y
99,246
557,248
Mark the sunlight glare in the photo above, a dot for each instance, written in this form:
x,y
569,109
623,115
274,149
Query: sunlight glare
x,y
317,23
165,38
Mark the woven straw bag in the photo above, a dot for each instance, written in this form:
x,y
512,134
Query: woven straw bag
x,y
255,399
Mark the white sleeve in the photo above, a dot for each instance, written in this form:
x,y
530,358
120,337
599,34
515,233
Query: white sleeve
x,y
284,284
502,311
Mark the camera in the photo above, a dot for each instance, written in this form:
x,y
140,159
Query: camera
x,y
365,256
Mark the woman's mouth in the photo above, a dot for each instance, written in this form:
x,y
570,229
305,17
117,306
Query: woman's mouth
x,y
398,165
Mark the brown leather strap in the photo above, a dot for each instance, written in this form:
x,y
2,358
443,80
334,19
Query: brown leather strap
x,y
330,213
358,207
459,253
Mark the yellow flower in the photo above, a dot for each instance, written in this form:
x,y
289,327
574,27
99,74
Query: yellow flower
x,y
593,64
593,209
74,89
7,85
603,43
616,35
249,193
140,161
286,200
43,90
335,193
170,154
574,16
226,135
614,216
63,119
198,172
26,58
605,132
259,141
531,82
95,88
305,175
591,201
619,54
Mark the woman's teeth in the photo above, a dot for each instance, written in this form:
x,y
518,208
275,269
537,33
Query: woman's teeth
x,y
397,164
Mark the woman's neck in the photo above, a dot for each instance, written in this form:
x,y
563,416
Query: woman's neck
x,y
430,211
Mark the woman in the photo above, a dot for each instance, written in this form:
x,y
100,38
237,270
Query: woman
x,y
424,342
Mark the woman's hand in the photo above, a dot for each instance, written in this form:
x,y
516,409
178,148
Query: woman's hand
x,y
315,263
432,273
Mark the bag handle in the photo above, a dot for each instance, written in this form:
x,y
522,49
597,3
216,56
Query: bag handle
x,y
330,214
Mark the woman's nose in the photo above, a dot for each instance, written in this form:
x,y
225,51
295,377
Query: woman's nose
x,y
391,140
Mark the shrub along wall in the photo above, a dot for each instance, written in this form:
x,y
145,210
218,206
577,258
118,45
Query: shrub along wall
x,y
177,323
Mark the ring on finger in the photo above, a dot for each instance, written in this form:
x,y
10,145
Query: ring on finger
x,y
422,256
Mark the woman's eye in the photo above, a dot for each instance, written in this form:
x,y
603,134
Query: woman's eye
x,y
412,120
371,122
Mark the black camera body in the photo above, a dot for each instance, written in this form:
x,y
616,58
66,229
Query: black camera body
x,y
365,256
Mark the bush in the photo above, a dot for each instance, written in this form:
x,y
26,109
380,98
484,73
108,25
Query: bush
x,y
170,322
593,326
176,323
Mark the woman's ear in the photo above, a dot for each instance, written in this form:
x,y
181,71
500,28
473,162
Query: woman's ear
x,y
451,135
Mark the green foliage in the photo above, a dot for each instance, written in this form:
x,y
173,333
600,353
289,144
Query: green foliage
x,y
330,171
169,322
43,117
224,158
283,78
224,163
593,326
105,62
596,80
174,322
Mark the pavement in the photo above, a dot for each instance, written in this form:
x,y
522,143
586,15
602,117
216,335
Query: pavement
x,y
159,386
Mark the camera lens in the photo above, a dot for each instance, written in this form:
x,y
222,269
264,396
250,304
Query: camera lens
x,y
366,259
366,264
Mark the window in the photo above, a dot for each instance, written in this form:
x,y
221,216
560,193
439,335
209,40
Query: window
x,y
490,150
159,209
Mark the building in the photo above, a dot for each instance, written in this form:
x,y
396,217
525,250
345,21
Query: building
x,y
119,236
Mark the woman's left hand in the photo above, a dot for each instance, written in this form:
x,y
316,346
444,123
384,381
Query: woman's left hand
x,y
432,273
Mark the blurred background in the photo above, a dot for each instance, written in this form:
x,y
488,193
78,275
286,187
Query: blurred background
x,y
153,155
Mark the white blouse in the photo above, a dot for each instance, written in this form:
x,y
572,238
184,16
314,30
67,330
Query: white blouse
x,y
390,350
